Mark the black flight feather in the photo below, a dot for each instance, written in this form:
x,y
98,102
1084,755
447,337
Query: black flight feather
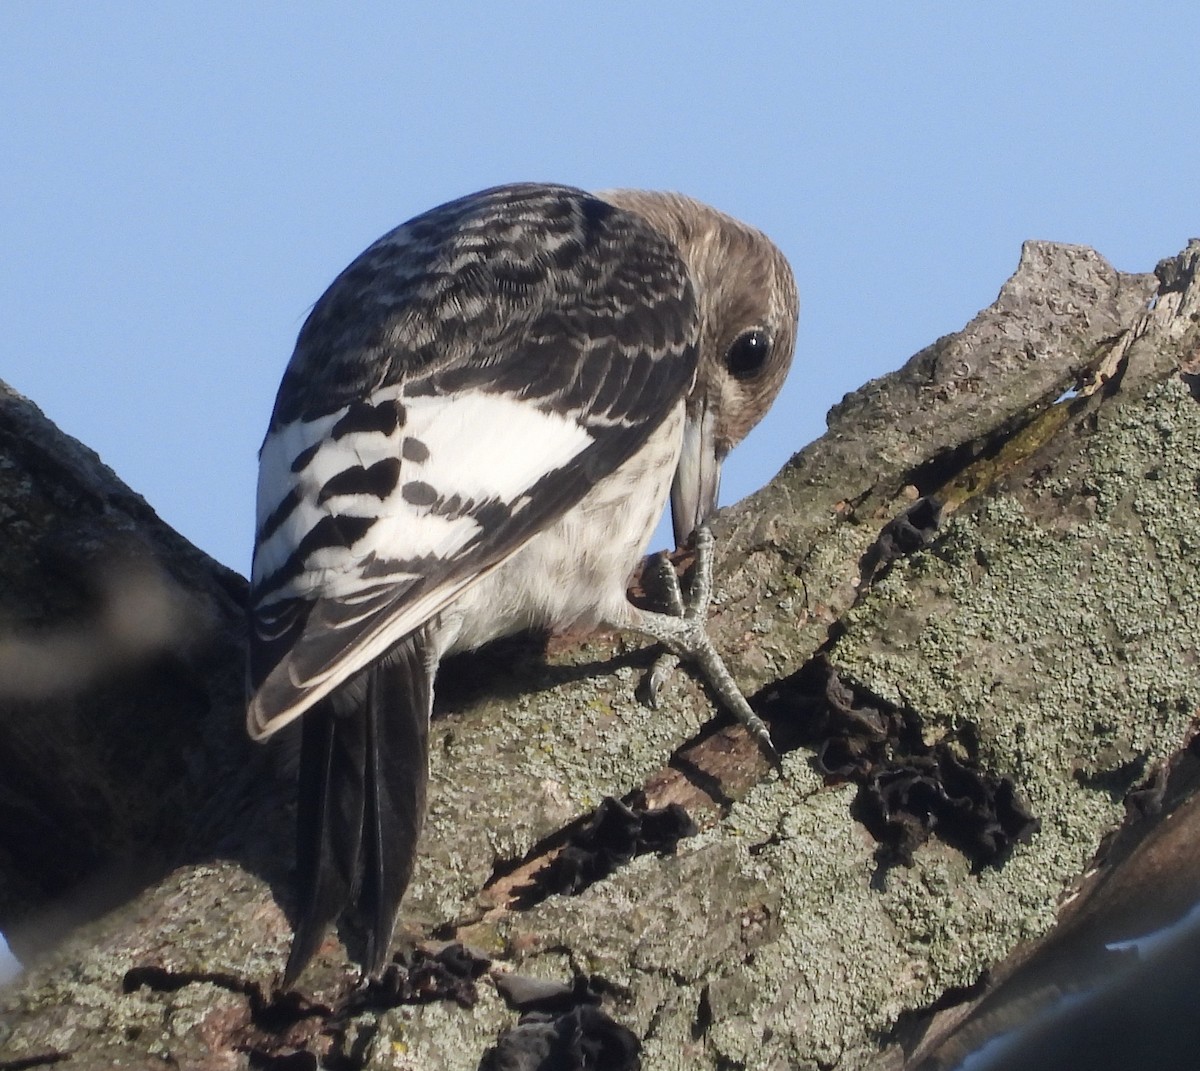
x,y
363,771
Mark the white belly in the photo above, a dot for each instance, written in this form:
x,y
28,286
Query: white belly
x,y
574,573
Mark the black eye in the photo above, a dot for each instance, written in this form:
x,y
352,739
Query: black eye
x,y
748,353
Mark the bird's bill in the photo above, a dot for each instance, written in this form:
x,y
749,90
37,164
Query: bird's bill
x,y
698,476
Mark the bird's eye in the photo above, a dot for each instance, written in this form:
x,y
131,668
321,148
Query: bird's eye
x,y
748,353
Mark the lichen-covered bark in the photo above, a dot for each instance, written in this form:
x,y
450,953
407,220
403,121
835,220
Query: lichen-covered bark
x,y
1044,633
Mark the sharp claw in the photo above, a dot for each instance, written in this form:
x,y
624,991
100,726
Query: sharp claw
x,y
767,746
655,678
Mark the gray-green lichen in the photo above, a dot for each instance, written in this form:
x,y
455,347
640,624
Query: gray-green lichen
x,y
534,767
1054,617
1057,620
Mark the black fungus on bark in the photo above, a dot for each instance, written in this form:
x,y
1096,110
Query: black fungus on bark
x,y
904,534
610,837
909,790
562,1028
420,977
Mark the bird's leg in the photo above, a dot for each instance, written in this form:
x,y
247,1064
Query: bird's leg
x,y
667,660
682,633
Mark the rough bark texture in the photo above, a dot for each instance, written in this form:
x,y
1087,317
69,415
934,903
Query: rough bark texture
x,y
933,686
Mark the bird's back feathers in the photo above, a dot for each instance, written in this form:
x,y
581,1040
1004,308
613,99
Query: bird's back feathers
x,y
461,385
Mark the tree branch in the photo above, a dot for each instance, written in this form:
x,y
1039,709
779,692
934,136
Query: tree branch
x,y
1019,644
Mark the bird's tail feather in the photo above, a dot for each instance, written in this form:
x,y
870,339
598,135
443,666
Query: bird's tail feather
x,y
401,697
363,772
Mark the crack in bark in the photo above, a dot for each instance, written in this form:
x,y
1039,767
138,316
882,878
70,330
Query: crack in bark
x,y
282,1031
24,1063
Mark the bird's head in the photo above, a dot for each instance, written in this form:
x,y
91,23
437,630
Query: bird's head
x,y
748,312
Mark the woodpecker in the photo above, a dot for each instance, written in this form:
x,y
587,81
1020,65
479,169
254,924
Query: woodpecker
x,y
479,427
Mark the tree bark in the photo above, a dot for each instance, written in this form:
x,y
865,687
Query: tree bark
x,y
967,612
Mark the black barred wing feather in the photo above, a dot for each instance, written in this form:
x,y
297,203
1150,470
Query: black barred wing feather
x,y
457,389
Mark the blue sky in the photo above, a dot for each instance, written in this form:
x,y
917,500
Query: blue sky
x,y
182,181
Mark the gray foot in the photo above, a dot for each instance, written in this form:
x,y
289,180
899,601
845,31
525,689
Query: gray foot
x,y
682,633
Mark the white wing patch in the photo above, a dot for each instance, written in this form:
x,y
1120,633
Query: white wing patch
x,y
457,454
529,442
451,466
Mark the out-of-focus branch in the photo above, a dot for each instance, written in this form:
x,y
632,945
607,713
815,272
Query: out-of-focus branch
x,y
140,614
120,682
